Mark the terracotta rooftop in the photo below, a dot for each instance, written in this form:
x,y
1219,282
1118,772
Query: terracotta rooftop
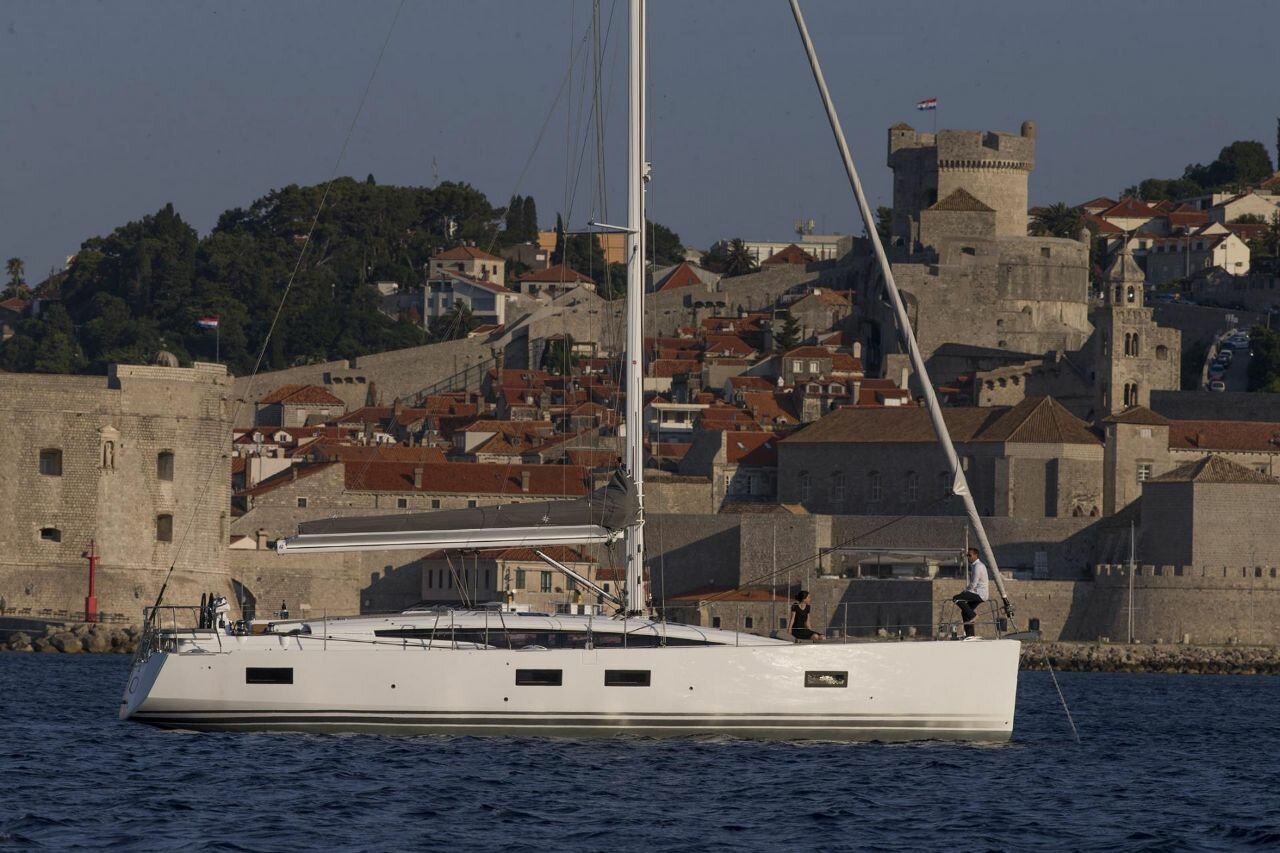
x,y
464,253
1215,469
301,395
394,453
791,254
682,276
482,283
1102,202
1129,208
558,274
753,449
466,478
809,352
1139,415
727,345
1036,420
1258,436
665,368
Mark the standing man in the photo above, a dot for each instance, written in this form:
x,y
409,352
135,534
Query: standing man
x,y
975,591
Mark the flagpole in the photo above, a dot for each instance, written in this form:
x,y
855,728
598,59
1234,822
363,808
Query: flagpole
x,y
217,343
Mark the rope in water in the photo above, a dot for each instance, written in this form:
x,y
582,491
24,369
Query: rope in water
x,y
1063,699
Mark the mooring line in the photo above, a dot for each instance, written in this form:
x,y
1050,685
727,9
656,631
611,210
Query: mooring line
x,y
1062,698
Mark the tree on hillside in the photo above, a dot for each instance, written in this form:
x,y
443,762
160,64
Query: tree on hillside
x,y
1057,220
530,220
458,323
884,224
788,336
16,270
558,358
513,220
730,259
665,248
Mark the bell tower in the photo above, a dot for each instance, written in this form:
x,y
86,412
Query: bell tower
x,y
1132,355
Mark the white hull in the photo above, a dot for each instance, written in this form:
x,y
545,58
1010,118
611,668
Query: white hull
x,y
895,691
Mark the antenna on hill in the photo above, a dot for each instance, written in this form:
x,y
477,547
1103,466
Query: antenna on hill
x,y
804,227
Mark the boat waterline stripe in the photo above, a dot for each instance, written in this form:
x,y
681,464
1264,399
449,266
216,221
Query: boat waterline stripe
x,y
634,715
492,723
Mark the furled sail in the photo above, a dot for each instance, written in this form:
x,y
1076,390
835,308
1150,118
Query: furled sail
x,y
602,517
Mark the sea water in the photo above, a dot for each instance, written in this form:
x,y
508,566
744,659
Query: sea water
x,y
1164,763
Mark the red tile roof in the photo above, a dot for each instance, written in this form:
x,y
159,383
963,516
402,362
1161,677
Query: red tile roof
x,y
750,383
752,449
809,352
558,274
792,254
14,304
1102,202
1257,436
727,345
393,453
665,368
301,395
482,283
681,276
464,253
1129,208
467,478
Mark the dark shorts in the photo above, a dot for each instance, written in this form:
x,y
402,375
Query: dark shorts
x,y
802,633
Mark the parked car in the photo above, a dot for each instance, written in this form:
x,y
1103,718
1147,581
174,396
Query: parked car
x,y
1226,356
1217,385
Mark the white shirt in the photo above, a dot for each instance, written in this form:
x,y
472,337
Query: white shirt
x,y
977,579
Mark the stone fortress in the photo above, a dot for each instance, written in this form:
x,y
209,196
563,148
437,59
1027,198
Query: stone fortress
x,y
1008,311
137,461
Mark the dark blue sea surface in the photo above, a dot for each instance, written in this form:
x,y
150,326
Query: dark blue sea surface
x,y
1166,763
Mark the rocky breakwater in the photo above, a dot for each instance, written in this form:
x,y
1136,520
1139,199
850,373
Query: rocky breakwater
x,y
75,639
1107,657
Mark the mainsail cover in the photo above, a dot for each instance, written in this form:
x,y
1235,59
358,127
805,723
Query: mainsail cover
x,y
598,518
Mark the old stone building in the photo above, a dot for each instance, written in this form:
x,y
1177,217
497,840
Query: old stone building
x,y
1131,354
137,461
961,255
1034,460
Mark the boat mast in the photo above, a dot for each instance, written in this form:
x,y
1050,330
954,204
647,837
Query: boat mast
x,y
960,485
637,175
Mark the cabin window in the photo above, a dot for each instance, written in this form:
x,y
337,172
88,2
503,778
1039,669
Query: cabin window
x,y
539,677
626,678
164,527
164,465
51,462
826,678
50,534
268,675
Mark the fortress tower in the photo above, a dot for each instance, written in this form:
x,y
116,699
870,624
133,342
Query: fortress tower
x,y
930,167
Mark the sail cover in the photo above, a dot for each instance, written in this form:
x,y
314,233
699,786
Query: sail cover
x,y
598,518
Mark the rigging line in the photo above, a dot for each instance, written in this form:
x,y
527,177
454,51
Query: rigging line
x,y
546,123
275,319
572,190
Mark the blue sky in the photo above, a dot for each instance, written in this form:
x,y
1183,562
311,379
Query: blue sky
x,y
112,109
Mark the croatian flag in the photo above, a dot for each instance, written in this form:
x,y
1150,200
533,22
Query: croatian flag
x,y
207,322
928,104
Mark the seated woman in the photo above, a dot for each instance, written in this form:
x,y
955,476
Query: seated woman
x,y
799,624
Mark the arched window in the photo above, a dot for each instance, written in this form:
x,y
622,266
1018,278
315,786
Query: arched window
x,y
912,487
1126,343
1106,347
802,485
1119,296
874,487
1162,353
164,465
164,528
1135,352
837,487
1129,295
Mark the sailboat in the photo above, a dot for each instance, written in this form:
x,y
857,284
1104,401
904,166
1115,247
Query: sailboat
x,y
496,671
